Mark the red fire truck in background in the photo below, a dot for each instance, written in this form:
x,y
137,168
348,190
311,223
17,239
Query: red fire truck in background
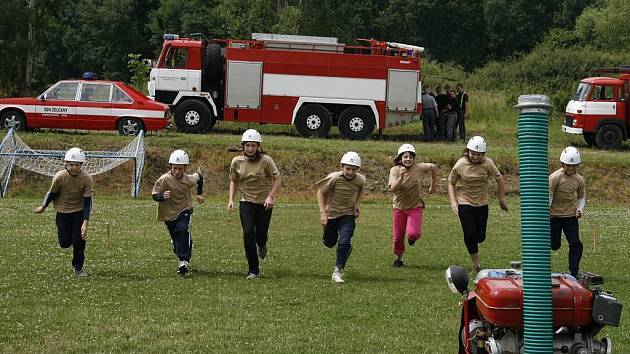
x,y
310,82
599,110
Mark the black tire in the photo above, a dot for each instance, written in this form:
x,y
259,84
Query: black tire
x,y
589,138
212,64
13,119
313,120
356,123
609,136
130,126
192,116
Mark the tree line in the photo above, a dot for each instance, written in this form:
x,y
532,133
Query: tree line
x,y
42,41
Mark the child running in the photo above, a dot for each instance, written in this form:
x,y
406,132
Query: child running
x,y
172,192
71,195
339,199
566,206
469,191
256,177
405,181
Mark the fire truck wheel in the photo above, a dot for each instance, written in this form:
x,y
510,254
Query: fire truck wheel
x,y
193,116
609,136
356,123
313,120
13,119
589,138
213,64
130,126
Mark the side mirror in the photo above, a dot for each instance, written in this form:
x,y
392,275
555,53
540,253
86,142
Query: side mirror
x,y
457,279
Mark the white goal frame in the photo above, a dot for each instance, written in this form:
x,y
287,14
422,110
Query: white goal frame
x,y
14,152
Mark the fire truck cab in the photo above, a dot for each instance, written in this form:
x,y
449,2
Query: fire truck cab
x,y
313,83
599,110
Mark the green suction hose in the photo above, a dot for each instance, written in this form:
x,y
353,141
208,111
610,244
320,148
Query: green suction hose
x,y
535,238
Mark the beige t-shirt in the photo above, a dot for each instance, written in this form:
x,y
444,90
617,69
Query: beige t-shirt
x,y
472,181
254,178
70,191
565,191
341,193
411,192
180,199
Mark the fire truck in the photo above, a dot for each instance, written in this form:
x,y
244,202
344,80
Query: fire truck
x,y
310,82
599,109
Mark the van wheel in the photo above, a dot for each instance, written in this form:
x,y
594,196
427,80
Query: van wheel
x,y
356,123
193,116
609,136
130,126
13,119
589,138
313,120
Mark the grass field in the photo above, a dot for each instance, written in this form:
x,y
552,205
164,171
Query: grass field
x,y
134,302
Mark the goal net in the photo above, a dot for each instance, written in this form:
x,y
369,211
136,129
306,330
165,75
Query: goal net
x,y
14,152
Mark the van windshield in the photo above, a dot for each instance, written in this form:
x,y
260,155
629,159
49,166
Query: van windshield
x,y
582,91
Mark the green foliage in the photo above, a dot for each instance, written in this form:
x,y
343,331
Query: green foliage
x,y
139,70
606,27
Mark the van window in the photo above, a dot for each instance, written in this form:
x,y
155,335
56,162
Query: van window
x,y
602,93
582,91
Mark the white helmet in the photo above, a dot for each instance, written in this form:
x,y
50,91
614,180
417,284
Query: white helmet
x,y
477,144
570,156
406,148
75,155
251,135
351,158
179,157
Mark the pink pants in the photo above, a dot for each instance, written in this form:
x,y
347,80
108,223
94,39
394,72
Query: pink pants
x,y
407,221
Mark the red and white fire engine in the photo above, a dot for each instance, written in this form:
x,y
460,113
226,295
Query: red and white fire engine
x,y
599,110
310,82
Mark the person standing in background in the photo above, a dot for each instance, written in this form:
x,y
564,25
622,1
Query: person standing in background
x,y
429,113
442,101
462,110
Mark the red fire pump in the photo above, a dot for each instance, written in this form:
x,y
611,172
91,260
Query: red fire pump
x,y
493,312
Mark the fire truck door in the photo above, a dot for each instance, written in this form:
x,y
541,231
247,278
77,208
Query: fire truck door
x,y
244,87
172,73
402,90
601,101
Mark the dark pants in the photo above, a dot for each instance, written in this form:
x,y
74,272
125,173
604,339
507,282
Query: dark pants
x,y
571,229
428,124
451,125
441,126
255,220
69,234
474,221
180,235
339,231
462,124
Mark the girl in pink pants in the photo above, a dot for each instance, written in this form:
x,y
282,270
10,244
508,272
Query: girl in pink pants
x,y
405,181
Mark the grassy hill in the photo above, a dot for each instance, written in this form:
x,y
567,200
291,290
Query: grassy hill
x,y
303,161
